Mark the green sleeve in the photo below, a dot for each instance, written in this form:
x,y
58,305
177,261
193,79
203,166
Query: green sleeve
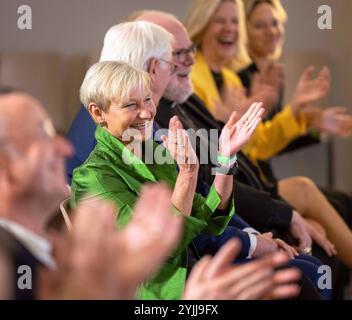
x,y
206,210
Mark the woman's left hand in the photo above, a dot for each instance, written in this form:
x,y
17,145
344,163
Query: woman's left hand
x,y
236,133
177,142
335,121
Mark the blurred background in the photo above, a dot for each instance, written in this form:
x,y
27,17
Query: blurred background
x,y
50,60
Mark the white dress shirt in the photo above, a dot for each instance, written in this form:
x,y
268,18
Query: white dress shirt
x,y
37,245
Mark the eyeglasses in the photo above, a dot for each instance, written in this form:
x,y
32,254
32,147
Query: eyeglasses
x,y
173,66
181,55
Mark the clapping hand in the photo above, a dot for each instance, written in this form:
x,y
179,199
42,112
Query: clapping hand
x,y
236,133
177,142
309,90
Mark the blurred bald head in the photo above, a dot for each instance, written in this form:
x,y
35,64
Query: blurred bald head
x,y
180,89
32,157
21,116
162,19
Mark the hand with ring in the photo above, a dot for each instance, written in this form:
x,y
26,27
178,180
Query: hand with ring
x,y
177,142
236,133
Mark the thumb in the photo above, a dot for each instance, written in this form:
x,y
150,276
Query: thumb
x,y
338,110
307,73
268,235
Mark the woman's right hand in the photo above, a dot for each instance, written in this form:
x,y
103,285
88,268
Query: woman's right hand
x,y
237,132
318,234
266,244
177,142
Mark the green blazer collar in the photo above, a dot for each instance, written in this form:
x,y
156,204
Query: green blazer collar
x,y
122,155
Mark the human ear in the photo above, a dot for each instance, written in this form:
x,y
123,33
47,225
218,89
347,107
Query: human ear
x,y
153,67
97,114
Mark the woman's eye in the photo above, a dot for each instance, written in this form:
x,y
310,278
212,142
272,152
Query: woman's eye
x,y
148,100
130,106
219,20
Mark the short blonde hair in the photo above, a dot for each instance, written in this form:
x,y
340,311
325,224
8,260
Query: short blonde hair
x,y
249,6
110,81
198,17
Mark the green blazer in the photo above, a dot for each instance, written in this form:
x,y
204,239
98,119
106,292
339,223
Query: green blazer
x,y
105,174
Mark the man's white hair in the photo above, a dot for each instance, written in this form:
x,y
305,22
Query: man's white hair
x,y
136,43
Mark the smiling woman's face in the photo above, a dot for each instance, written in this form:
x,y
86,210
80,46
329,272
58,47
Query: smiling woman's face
x,y
132,116
221,34
264,30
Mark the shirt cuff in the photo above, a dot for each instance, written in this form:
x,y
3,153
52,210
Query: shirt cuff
x,y
251,230
253,245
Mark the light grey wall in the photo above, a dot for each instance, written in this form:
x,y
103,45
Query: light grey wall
x,y
70,26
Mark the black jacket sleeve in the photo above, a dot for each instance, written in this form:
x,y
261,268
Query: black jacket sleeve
x,y
260,210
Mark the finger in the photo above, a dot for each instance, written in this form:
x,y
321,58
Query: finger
x,y
286,275
172,129
284,291
286,248
198,271
307,73
165,141
253,283
252,112
238,272
249,112
331,248
259,113
338,110
224,257
255,292
232,121
325,73
268,235
326,247
254,126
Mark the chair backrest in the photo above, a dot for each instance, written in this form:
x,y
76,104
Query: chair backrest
x,y
64,206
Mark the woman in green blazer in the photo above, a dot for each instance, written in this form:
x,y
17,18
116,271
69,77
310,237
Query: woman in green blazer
x,y
119,99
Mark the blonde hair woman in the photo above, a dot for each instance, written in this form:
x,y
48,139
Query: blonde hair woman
x,y
266,34
217,36
216,26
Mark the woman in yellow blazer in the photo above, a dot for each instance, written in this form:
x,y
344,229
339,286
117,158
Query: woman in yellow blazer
x,y
215,26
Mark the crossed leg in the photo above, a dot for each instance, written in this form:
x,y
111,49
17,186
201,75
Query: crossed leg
x,y
305,196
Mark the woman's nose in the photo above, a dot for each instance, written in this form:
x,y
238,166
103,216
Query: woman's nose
x,y
145,113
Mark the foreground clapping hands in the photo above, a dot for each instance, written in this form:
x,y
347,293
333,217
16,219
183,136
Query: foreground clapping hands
x,y
97,262
218,279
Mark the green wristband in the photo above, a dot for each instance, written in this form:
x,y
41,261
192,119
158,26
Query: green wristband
x,y
227,161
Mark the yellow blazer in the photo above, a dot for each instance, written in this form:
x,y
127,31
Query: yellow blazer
x,y
271,136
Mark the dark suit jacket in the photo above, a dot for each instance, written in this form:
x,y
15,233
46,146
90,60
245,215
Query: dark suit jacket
x,y
19,255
